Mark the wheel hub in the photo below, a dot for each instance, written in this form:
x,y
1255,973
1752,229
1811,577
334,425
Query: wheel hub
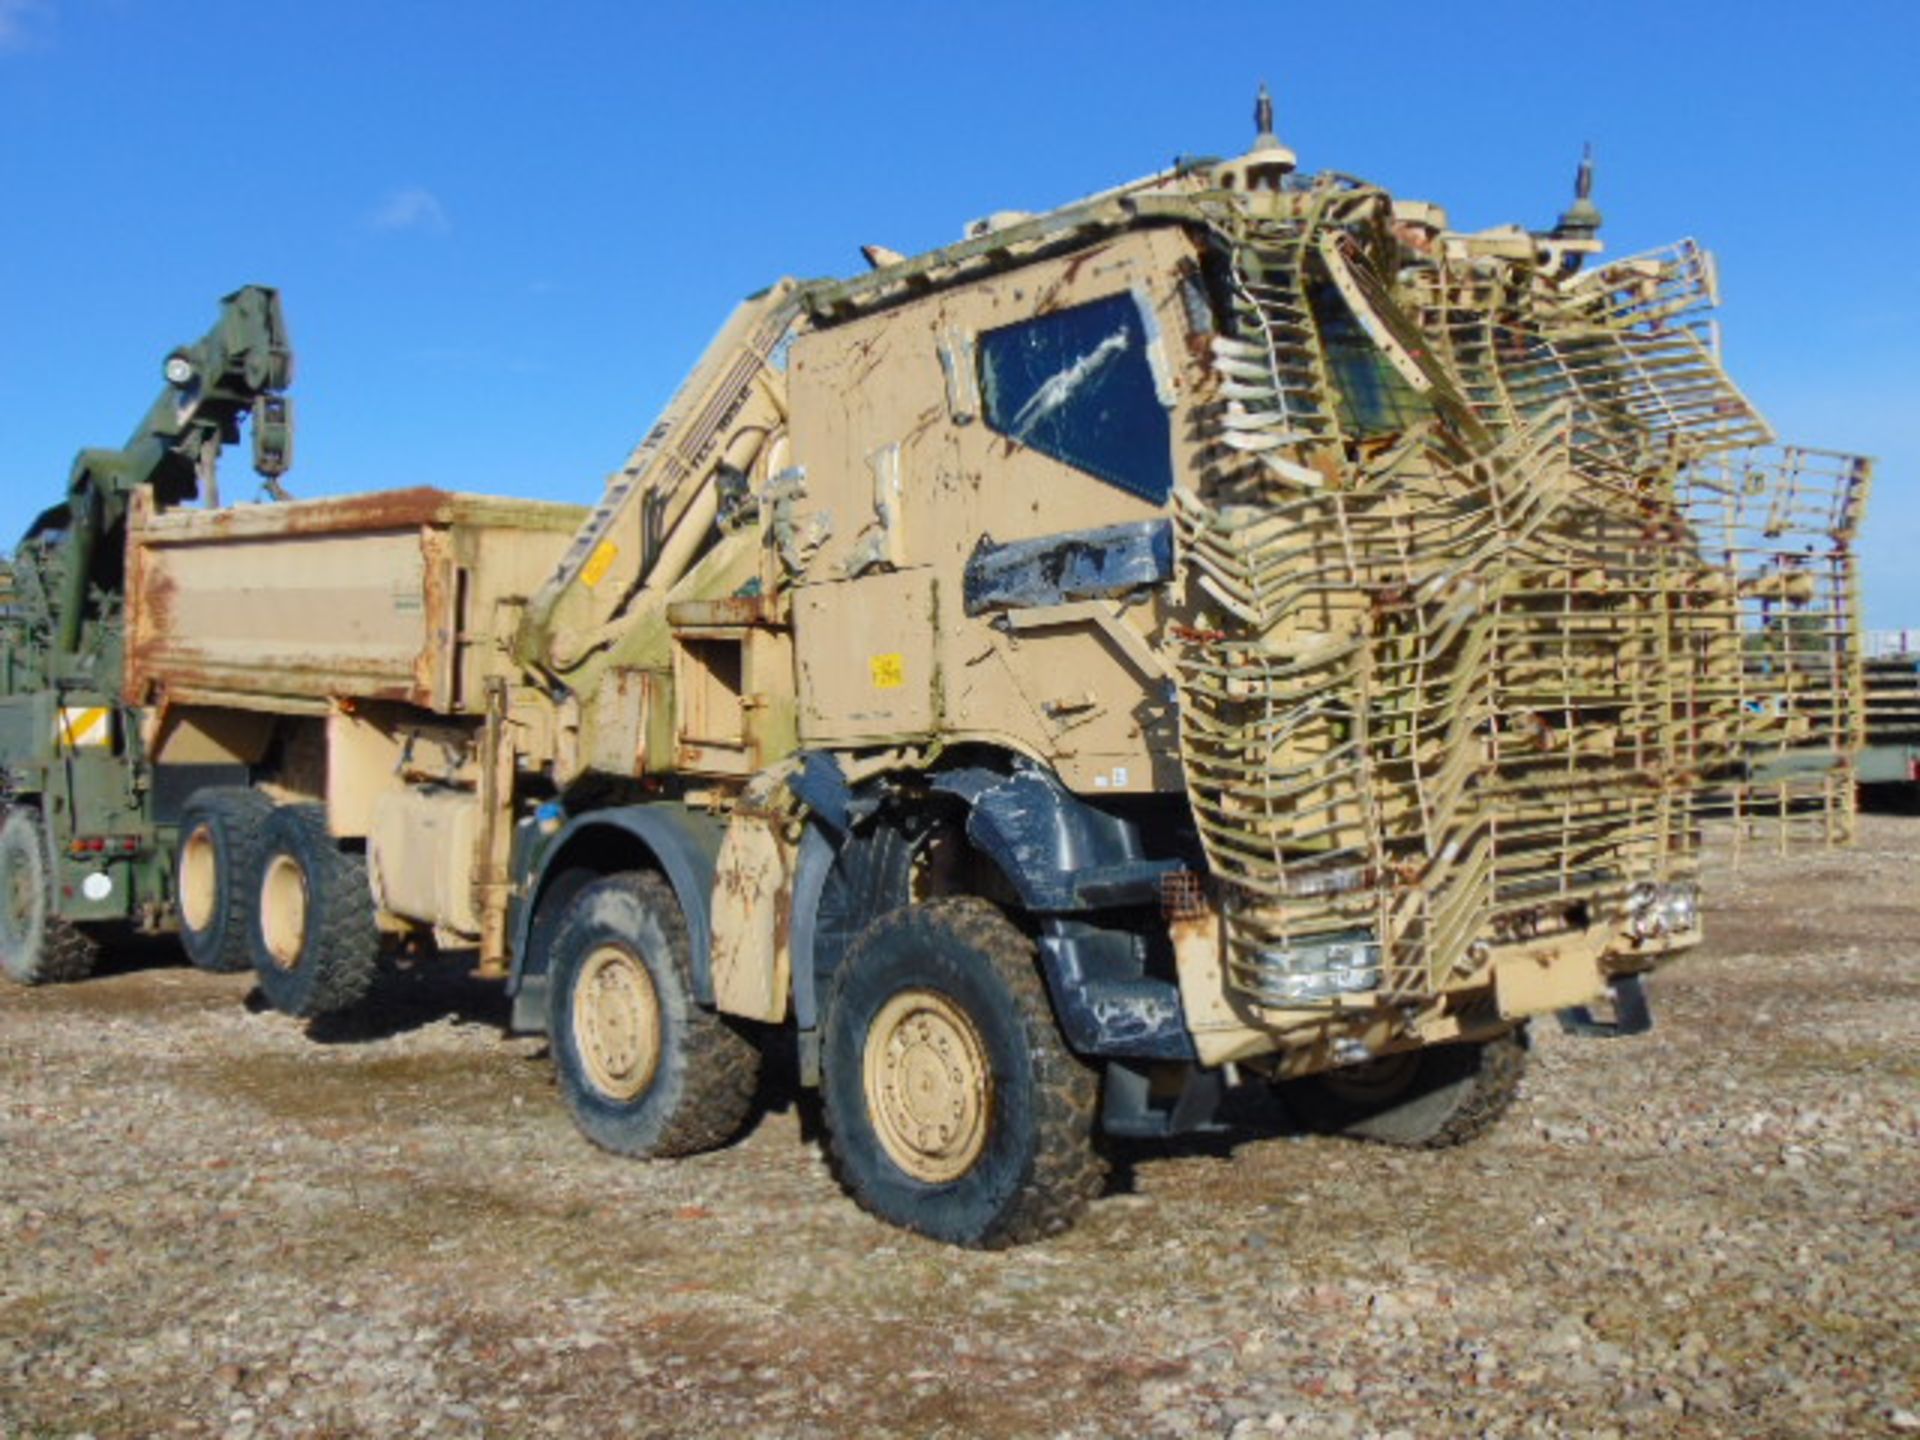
x,y
199,870
616,1022
283,911
929,1086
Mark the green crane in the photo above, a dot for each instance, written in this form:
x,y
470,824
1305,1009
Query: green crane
x,y
88,828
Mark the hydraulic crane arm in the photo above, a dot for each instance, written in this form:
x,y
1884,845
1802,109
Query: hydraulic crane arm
x,y
657,514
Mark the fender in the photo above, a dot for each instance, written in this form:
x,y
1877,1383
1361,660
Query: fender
x,y
809,883
1062,855
680,842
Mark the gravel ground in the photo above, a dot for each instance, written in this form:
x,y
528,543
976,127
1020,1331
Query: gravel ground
x,y
217,1221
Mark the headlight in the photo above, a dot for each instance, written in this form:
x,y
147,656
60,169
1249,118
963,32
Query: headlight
x,y
1654,911
1682,907
1320,968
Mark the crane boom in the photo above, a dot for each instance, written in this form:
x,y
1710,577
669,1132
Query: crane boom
x,y
656,515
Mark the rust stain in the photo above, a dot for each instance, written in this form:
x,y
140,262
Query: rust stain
x,y
380,510
729,610
150,603
435,661
1049,299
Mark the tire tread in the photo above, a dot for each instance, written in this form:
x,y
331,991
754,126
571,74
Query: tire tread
x,y
343,940
1068,1169
67,952
719,1066
1488,1083
243,812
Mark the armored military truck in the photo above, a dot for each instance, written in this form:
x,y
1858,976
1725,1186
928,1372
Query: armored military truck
x,y
89,825
1232,629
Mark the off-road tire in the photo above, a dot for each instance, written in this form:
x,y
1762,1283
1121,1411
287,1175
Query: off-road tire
x,y
1429,1099
222,829
1036,1165
336,948
690,1087
37,947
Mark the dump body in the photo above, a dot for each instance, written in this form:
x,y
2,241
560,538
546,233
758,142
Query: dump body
x,y
400,597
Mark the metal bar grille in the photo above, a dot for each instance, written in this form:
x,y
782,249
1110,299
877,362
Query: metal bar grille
x,y
1476,678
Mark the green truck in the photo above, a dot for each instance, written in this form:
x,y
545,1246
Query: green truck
x,y
1890,758
89,826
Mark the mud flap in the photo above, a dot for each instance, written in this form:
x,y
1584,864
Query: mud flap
x,y
1133,1110
1632,1013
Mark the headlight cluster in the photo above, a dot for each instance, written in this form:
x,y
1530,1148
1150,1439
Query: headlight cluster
x,y
1321,968
1654,911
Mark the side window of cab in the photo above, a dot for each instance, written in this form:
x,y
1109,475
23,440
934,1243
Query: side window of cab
x,y
1078,385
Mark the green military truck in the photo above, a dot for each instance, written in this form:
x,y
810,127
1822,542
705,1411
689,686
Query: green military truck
x,y
1890,760
90,825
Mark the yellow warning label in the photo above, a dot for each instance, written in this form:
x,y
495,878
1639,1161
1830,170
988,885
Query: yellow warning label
x,y
598,563
79,725
889,671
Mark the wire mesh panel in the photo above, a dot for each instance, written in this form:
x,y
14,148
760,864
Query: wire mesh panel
x,y
1778,523
1496,592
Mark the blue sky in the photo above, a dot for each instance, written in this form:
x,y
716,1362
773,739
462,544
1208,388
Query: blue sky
x,y
504,229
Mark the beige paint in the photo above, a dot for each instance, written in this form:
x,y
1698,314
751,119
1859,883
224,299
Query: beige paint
x,y
752,890
1544,978
362,760
375,597
191,735
1222,1025
903,473
423,851
866,671
1460,594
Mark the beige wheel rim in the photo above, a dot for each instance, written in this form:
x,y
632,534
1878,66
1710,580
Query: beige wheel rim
x,y
616,1022
929,1086
283,910
199,878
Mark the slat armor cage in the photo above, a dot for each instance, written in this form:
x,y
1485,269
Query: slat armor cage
x,y
1496,591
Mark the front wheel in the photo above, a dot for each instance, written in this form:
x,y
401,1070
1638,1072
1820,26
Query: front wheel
x,y
644,1068
37,947
1418,1099
952,1104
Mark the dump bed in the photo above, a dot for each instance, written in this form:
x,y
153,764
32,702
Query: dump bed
x,y
393,596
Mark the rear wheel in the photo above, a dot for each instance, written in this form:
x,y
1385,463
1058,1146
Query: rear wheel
x,y
1421,1099
953,1106
37,947
312,936
217,874
645,1070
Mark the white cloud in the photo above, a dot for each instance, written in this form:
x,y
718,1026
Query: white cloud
x,y
413,208
21,23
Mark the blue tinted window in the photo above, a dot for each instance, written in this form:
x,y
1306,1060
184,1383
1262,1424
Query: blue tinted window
x,y
1372,397
1077,385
